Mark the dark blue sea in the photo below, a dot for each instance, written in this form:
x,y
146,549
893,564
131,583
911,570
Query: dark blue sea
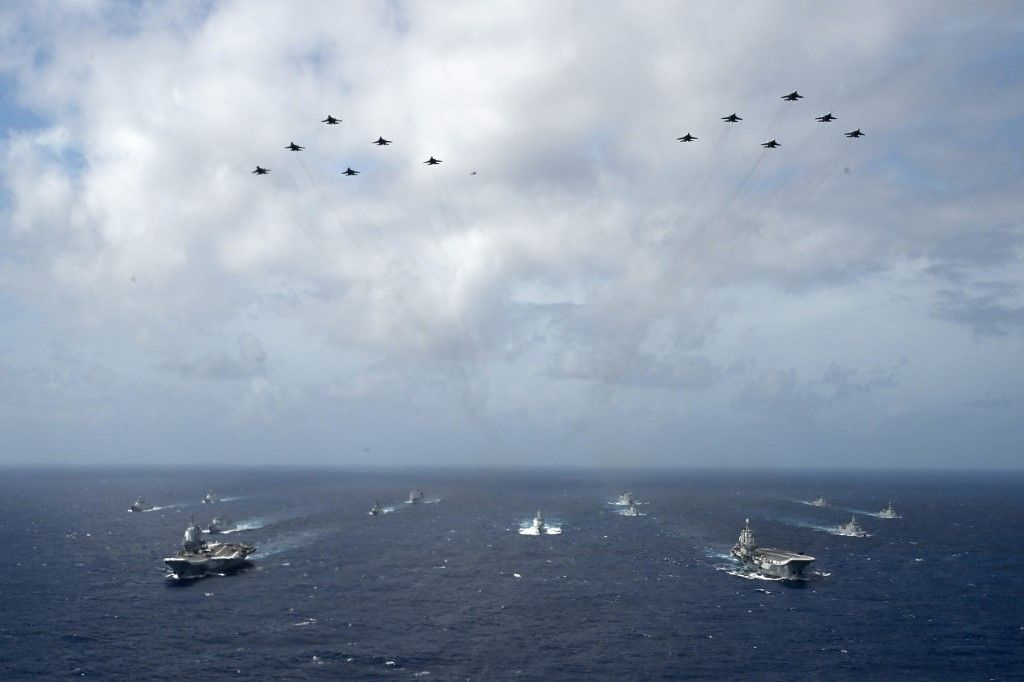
x,y
450,589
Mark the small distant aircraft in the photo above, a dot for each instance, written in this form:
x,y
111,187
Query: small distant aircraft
x,y
731,118
331,121
472,172
770,144
792,97
261,170
349,171
432,161
686,138
826,118
380,142
854,133
294,147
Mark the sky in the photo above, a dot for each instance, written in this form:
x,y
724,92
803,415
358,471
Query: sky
x,y
570,287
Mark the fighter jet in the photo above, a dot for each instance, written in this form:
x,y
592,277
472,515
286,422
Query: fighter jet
x,y
432,161
770,144
826,118
380,142
731,118
349,171
792,97
261,171
294,147
472,172
686,138
331,121
854,133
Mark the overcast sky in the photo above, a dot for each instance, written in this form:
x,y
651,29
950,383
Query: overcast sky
x,y
596,294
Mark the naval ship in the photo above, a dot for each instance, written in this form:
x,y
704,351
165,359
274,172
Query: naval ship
x,y
210,498
197,558
625,498
140,505
631,510
538,523
820,502
375,510
888,512
217,525
415,497
852,529
776,563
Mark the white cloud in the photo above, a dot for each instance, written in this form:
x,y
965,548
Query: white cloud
x,y
592,267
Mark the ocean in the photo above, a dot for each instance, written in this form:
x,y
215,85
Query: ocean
x,y
450,589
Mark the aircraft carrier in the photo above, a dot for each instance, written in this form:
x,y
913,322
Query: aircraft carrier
x,y
775,563
197,558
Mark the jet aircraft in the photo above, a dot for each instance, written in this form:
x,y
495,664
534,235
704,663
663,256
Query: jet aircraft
x,y
686,138
770,144
792,97
331,121
380,142
294,147
349,171
432,161
261,171
854,133
826,118
731,118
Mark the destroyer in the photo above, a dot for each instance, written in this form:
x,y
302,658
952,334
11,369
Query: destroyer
x,y
140,505
776,563
820,502
217,525
852,529
888,512
197,558
631,510
210,498
415,497
538,523
625,498
376,509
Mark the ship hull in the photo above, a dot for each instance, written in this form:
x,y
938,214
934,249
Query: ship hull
x,y
764,563
197,568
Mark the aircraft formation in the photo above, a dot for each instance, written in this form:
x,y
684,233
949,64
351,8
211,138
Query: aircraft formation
x,y
688,137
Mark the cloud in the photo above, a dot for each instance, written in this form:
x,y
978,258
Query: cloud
x,y
589,255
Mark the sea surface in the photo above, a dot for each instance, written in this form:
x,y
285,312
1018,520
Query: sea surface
x,y
450,589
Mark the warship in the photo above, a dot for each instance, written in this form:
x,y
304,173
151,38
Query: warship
x,y
197,558
140,505
631,510
415,497
852,529
375,510
820,502
625,498
217,525
210,498
888,512
775,563
538,523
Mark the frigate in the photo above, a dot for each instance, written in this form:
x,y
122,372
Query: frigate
x,y
217,525
888,512
820,502
140,505
415,497
376,509
210,498
852,529
775,563
538,523
197,558
625,498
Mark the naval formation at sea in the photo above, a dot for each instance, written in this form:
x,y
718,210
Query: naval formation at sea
x,y
198,557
